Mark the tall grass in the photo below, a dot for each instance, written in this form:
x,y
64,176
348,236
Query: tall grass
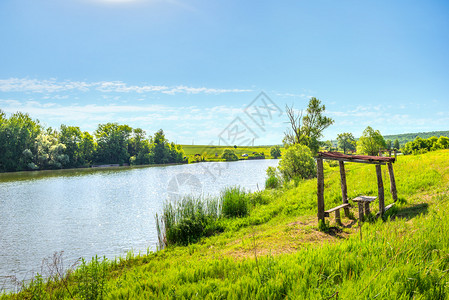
x,y
235,202
185,221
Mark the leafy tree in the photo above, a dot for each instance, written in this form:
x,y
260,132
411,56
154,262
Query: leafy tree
x,y
346,141
370,142
313,123
388,144
50,153
17,141
112,140
443,142
275,151
396,144
71,137
163,152
87,148
327,145
297,162
229,155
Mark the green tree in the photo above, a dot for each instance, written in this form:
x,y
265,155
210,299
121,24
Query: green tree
x,y
346,141
275,151
50,153
71,137
229,155
311,130
160,150
443,142
396,144
87,148
112,143
17,141
297,162
388,144
370,142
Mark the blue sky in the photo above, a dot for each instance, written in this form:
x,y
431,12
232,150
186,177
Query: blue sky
x,y
193,67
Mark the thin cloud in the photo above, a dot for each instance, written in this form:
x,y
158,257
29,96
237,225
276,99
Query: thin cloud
x,y
26,85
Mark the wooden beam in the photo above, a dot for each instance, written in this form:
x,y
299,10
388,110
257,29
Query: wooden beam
x,y
393,190
380,190
357,161
320,188
344,188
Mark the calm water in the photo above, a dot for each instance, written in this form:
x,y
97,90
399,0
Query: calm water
x,y
104,212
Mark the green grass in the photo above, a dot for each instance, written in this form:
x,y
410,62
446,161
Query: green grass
x,y
277,252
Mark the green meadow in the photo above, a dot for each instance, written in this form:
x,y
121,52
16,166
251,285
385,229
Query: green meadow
x,y
211,152
276,250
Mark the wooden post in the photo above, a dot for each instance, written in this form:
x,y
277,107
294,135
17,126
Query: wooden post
x,y
367,208
393,190
344,189
395,154
320,188
337,217
380,190
360,206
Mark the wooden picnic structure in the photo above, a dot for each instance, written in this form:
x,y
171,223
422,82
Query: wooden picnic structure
x,y
362,201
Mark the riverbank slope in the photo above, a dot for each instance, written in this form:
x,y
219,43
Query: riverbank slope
x,y
277,251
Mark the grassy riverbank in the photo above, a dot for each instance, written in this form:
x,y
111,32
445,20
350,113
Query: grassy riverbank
x,y
277,251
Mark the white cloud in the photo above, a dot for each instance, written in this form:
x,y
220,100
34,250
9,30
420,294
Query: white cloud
x,y
26,85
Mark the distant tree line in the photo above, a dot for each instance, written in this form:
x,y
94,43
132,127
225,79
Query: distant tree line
x,y
409,137
420,145
26,145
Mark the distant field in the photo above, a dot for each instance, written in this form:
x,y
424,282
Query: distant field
x,y
212,151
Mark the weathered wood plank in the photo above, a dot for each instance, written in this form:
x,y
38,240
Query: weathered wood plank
x,y
344,205
320,188
380,190
364,199
393,190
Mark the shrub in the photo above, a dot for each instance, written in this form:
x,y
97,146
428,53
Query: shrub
x,y
297,161
234,202
273,181
229,155
256,155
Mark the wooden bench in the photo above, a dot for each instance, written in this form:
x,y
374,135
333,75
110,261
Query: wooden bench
x,y
363,203
337,212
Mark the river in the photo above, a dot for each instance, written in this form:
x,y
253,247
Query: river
x,y
100,211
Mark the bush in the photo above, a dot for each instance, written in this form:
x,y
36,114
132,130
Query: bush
x,y
256,155
273,181
234,202
229,155
297,161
